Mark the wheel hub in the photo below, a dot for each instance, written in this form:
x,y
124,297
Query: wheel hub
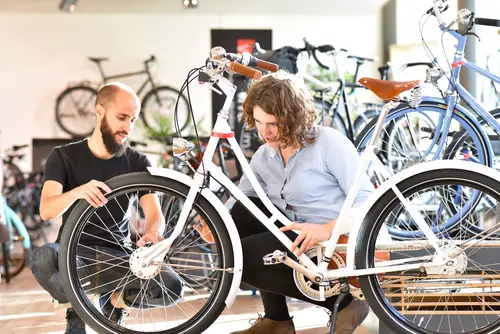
x,y
139,266
455,262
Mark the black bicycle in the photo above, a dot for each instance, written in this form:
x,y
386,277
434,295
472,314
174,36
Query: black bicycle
x,y
75,105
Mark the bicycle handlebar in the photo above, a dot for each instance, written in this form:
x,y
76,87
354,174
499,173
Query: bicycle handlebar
x,y
358,58
245,70
18,147
152,58
134,143
464,16
408,65
246,59
438,7
311,50
487,22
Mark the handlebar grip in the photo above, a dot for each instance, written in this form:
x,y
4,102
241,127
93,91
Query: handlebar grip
x,y
265,65
487,22
245,70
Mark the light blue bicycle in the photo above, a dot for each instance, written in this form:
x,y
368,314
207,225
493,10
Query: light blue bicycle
x,y
14,238
441,128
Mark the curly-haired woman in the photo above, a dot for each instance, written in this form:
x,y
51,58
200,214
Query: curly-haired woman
x,y
307,171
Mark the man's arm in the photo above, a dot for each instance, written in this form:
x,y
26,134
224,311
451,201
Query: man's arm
x,y
155,222
54,202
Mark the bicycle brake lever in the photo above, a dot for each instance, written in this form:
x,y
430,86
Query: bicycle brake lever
x,y
474,34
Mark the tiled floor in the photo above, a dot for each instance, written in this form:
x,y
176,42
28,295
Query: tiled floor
x,y
25,308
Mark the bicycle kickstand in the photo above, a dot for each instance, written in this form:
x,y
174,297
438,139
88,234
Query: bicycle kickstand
x,y
344,291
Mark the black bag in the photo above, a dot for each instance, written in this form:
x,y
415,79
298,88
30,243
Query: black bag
x,y
285,58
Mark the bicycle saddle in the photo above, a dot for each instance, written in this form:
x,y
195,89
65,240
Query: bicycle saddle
x,y
385,89
98,59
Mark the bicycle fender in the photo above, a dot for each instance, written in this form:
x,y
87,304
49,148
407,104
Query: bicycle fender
x,y
226,218
472,118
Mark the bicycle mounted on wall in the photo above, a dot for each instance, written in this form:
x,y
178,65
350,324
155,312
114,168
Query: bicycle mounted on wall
x,y
75,112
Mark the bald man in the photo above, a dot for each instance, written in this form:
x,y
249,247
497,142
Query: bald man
x,y
78,171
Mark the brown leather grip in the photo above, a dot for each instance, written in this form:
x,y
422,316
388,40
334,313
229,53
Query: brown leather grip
x,y
246,71
265,65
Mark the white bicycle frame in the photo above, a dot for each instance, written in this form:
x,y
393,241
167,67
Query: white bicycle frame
x,y
318,273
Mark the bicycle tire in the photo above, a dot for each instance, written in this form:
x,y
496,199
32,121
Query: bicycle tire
x,y
62,96
462,118
14,271
6,255
17,266
373,222
183,114
142,180
460,137
368,115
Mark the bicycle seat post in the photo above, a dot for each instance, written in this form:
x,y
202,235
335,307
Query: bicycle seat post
x,y
97,61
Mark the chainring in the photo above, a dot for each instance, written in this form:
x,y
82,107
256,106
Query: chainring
x,y
311,289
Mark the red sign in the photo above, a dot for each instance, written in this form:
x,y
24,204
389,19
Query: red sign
x,y
244,45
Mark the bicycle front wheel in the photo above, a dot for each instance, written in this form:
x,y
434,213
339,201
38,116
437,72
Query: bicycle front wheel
x,y
99,254
409,137
458,297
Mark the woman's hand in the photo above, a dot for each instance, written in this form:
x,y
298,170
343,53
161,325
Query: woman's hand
x,y
310,234
204,231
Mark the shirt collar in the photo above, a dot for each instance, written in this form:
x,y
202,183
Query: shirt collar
x,y
273,151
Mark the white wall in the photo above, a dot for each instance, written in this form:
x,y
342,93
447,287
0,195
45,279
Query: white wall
x,y
42,52
489,45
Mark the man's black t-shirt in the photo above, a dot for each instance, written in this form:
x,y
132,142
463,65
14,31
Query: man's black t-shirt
x,y
73,165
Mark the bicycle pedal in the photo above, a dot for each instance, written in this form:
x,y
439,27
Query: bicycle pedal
x,y
274,258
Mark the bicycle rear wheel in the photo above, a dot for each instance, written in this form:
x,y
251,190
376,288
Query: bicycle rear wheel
x,y
156,307
160,102
447,299
408,137
75,112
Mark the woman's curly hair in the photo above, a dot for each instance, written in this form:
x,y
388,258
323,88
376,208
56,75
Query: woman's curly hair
x,y
286,97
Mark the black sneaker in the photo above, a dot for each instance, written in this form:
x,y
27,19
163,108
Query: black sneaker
x,y
116,315
74,324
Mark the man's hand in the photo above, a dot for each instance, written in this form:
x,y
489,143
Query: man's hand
x,y
310,234
204,231
149,237
91,193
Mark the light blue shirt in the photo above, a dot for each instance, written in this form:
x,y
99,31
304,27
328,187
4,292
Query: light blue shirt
x,y
314,184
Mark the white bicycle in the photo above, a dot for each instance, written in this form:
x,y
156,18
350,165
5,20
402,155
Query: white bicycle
x,y
425,285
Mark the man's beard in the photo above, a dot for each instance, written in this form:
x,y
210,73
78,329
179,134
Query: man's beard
x,y
110,143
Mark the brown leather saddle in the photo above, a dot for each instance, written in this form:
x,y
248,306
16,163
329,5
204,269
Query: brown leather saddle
x,y
385,89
